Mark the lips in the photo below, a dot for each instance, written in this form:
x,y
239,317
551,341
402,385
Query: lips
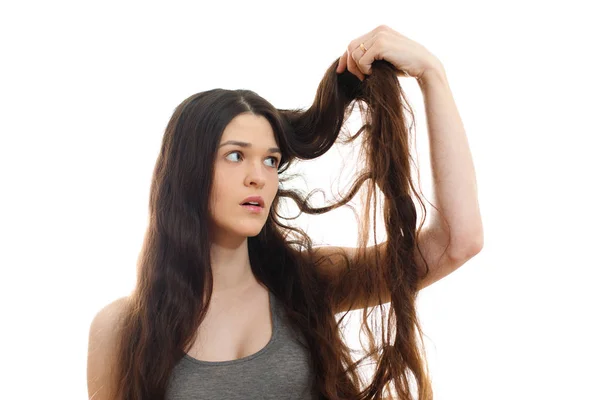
x,y
254,199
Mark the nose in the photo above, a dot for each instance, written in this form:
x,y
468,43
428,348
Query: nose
x,y
255,176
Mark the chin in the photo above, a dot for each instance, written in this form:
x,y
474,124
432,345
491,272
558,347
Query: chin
x,y
248,230
251,232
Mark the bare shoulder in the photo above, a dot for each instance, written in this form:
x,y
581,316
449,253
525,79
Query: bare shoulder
x,y
102,341
112,312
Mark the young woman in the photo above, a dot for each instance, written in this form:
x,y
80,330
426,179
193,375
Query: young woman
x,y
232,303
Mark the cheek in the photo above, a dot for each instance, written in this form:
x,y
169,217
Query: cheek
x,y
221,192
275,188
215,192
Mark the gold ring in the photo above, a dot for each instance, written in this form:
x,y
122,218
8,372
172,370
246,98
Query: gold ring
x,y
362,46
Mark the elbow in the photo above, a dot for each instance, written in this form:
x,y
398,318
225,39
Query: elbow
x,y
468,247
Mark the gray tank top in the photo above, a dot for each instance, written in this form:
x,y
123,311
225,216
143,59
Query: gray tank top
x,y
280,370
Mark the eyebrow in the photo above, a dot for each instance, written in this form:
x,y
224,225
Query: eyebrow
x,y
244,144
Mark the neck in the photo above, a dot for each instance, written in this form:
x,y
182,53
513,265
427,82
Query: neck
x,y
230,266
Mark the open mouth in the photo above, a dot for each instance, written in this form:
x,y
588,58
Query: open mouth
x,y
253,201
252,207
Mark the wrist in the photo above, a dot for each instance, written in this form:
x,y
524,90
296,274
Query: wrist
x,y
433,74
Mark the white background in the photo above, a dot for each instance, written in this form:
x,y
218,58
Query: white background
x,y
87,89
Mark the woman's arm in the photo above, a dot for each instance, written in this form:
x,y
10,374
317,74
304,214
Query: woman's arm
x,y
454,182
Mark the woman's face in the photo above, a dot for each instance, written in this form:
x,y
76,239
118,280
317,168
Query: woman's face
x,y
242,169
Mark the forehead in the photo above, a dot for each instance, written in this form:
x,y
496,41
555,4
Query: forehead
x,y
251,128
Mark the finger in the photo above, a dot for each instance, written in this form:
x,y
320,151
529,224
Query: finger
x,y
350,62
342,63
365,60
353,56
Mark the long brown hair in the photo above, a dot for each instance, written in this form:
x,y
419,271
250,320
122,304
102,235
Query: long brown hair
x,y
174,275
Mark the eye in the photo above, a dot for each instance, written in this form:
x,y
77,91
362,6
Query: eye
x,y
233,152
275,159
